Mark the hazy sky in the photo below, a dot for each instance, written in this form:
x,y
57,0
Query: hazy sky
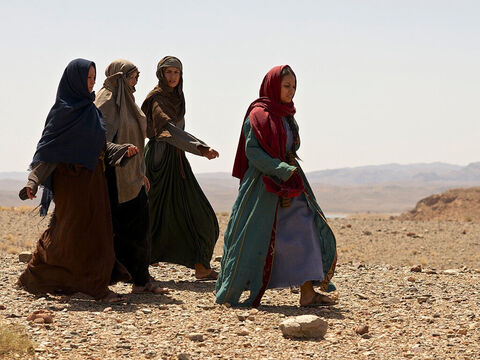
x,y
378,81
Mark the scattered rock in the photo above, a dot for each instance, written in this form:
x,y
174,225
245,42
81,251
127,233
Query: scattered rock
x,y
107,309
416,268
451,271
184,356
362,329
196,337
367,233
361,296
243,316
24,256
411,279
304,326
2,307
46,316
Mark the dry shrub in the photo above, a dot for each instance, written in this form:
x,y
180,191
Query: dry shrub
x,y
14,341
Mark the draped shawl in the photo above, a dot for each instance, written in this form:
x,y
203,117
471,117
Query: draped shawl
x,y
265,115
125,123
74,131
171,102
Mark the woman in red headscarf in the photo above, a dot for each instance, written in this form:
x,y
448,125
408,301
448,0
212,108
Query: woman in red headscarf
x,y
277,235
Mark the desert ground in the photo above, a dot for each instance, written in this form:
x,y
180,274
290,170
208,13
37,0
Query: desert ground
x,y
430,313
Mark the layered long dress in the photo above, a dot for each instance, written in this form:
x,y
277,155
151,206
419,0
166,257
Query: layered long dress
x,y
269,246
126,123
75,253
184,227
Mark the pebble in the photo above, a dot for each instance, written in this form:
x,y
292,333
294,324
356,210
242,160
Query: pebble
x,y
362,329
416,268
24,257
196,337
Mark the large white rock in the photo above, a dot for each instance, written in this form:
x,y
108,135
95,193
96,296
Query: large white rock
x,y
304,326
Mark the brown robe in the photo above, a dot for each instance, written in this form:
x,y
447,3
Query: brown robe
x,y
75,253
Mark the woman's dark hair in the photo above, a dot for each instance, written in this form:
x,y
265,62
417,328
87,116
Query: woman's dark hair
x,y
287,70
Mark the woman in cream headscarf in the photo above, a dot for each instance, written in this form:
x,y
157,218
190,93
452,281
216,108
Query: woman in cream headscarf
x,y
128,186
184,225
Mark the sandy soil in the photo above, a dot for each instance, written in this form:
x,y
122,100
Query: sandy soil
x,y
431,314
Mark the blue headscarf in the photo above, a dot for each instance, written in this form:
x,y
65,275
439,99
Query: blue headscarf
x,y
74,130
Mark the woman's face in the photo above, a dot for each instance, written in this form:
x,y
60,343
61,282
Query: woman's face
x,y
91,78
133,78
172,76
287,88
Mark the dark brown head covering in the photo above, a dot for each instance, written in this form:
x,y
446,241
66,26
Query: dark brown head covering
x,y
171,102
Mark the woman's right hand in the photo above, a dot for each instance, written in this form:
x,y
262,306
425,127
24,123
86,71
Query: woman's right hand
x,y
209,153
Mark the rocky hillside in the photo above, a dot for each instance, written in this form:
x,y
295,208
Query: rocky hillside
x,y
456,204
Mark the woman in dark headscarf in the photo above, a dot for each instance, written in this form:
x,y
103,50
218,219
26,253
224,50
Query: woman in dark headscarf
x,y
184,227
277,235
128,185
75,253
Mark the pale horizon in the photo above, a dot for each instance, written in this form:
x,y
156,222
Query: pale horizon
x,y
378,82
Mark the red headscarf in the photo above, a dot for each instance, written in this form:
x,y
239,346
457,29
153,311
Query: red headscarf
x,y
265,115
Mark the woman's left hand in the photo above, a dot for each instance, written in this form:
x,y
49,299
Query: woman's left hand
x,y
132,150
147,183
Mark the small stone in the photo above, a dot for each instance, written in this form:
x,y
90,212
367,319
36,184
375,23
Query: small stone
x,y
2,307
146,310
368,233
184,356
39,320
304,326
451,271
362,329
411,279
24,257
107,309
411,234
462,331
243,316
243,332
416,268
195,337
361,296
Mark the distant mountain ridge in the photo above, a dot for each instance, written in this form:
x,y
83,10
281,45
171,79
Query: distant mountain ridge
x,y
397,173
389,188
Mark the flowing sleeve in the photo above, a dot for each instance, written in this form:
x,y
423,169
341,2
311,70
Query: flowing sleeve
x,y
258,158
38,175
115,154
181,139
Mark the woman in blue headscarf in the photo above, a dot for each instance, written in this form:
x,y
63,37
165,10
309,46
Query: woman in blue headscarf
x,y
75,253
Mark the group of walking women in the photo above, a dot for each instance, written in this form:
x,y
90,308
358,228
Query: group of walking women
x,y
121,205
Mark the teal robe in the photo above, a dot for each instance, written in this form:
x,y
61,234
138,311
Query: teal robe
x,y
250,235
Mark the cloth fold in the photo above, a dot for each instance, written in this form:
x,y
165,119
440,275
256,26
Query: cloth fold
x,y
126,123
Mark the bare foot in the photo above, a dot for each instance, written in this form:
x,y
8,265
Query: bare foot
x,y
112,298
316,300
211,275
149,288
